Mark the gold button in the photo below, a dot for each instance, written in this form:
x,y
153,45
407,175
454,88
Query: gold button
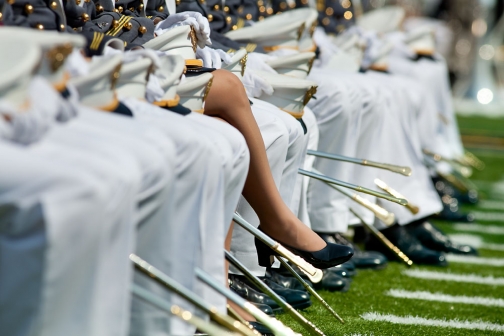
x,y
269,11
210,17
283,5
53,5
140,7
262,9
128,26
62,27
329,11
326,21
160,9
120,9
304,2
202,1
248,16
228,19
11,2
39,26
142,30
115,23
216,7
261,18
177,2
1,16
348,15
28,9
260,3
234,27
292,5
99,8
131,9
77,2
85,17
226,9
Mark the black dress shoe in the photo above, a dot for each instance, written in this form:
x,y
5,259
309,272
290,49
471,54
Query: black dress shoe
x,y
451,211
297,299
329,256
286,281
444,187
250,294
409,245
264,308
332,282
361,259
341,272
261,328
349,266
432,238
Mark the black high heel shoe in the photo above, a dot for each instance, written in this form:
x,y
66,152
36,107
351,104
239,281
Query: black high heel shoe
x,y
330,256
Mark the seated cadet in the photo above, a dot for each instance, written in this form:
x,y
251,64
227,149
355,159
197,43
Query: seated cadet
x,y
419,167
418,225
64,221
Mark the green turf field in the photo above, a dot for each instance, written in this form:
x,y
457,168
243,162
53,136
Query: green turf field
x,y
368,292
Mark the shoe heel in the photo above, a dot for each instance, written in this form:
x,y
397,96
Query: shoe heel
x,y
264,253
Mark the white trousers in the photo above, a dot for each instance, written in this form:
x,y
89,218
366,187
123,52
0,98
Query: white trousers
x,y
433,76
276,139
53,225
196,210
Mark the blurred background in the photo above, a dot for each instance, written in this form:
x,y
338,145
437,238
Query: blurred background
x,y
470,35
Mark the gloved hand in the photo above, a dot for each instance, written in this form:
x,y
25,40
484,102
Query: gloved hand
x,y
212,58
194,19
326,47
257,62
255,85
153,91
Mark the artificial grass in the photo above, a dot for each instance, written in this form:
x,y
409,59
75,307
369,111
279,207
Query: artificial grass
x,y
367,292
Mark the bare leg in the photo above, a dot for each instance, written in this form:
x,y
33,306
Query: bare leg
x,y
227,100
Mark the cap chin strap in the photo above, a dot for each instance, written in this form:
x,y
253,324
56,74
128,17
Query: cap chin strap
x,y
297,115
61,85
278,47
168,102
110,107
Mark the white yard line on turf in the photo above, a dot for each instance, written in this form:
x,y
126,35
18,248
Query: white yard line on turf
x,y
488,229
488,216
475,241
440,297
456,258
466,278
491,205
415,320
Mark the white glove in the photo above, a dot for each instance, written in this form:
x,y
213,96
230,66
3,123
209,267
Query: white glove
x,y
194,19
212,58
257,62
327,47
255,85
76,64
153,91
